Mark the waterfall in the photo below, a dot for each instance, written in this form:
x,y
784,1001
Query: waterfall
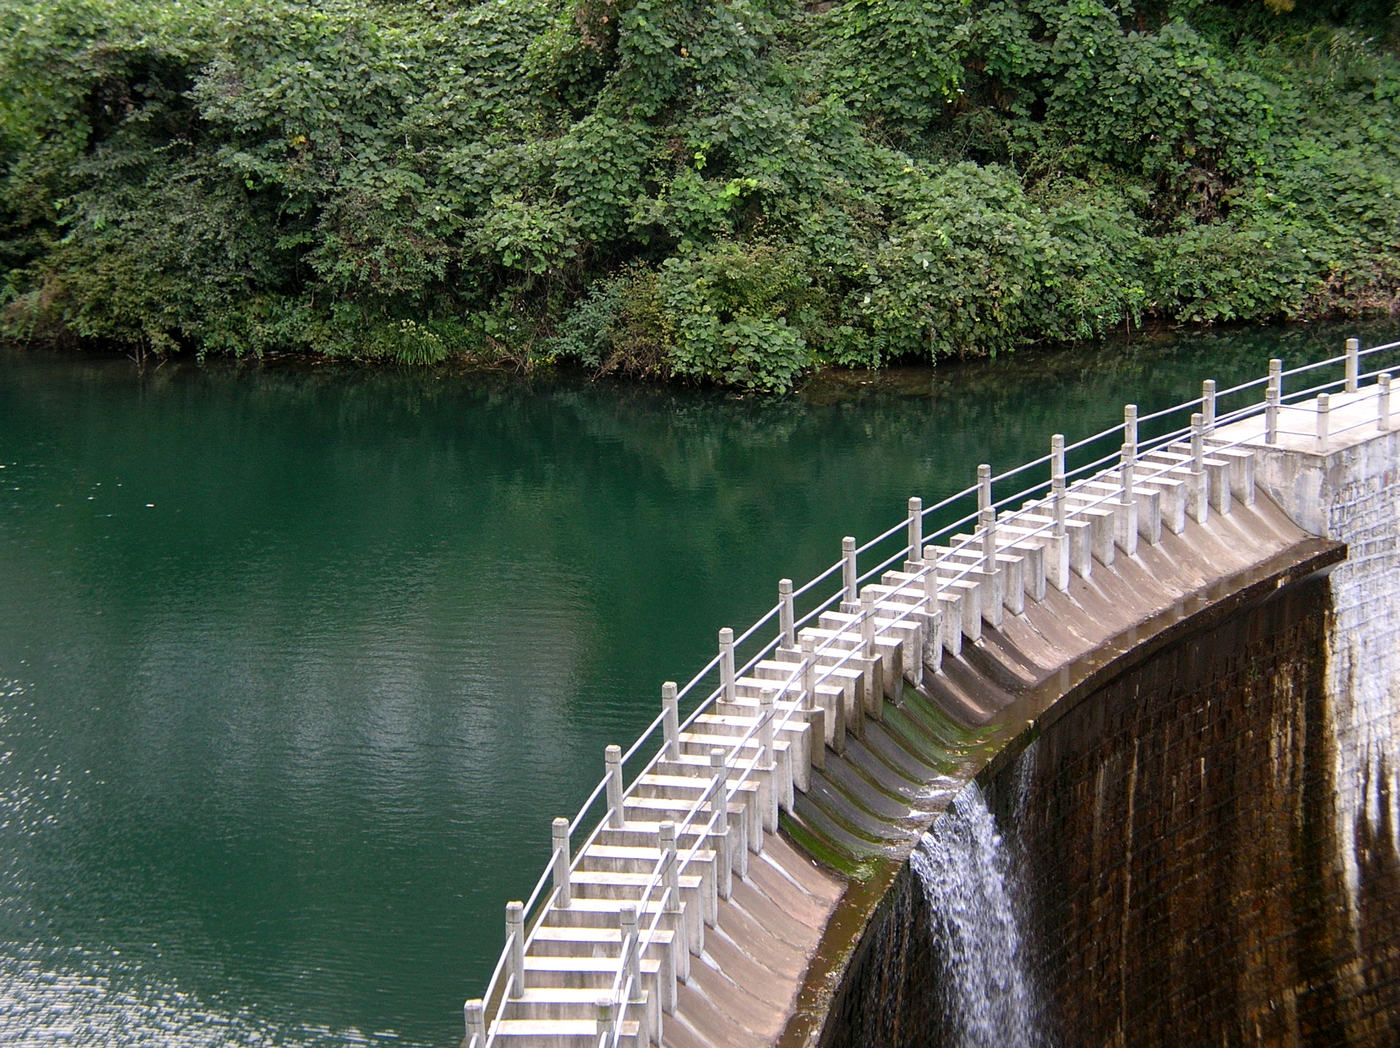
x,y
989,997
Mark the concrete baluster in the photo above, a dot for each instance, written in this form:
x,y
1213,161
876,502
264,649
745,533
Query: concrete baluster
x,y
563,895
987,524
1198,450
1383,412
605,1017
1324,407
631,952
475,1012
1130,426
515,935
1057,482
719,807
670,879
809,673
867,626
984,487
671,720
848,570
1208,403
612,762
1058,569
1127,521
1353,363
726,663
1273,395
671,884
916,527
785,620
832,723
768,765
933,616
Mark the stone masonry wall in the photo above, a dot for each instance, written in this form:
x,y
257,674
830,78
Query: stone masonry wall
x,y
1176,848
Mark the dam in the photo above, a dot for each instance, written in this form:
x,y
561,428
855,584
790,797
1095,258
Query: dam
x,y
1169,667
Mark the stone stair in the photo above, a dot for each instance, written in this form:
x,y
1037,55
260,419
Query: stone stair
x,y
828,731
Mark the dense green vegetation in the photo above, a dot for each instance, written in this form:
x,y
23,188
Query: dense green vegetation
x,y
733,190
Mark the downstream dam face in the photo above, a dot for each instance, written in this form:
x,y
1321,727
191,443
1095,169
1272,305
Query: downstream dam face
x,y
1194,846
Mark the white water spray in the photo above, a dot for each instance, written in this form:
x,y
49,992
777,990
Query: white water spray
x,y
989,995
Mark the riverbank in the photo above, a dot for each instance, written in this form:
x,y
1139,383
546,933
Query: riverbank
x,y
738,194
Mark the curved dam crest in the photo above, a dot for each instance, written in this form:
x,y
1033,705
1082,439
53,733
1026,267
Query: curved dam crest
x,y
1141,671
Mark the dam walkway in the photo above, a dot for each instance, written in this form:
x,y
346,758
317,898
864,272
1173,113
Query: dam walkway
x,y
691,901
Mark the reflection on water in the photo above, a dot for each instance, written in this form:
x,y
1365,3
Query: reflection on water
x,y
297,664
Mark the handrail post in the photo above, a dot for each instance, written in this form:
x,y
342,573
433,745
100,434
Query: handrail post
x,y
769,765
1272,395
669,877
916,526
848,569
1353,363
726,663
671,720
1057,481
867,625
809,672
631,950
785,617
612,761
671,900
984,487
1324,406
1126,460
563,896
1130,426
605,1016
719,790
515,934
1383,411
987,523
475,1013
1208,403
719,808
1198,457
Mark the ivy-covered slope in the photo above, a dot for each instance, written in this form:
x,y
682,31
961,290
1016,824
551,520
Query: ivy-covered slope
x,y
733,190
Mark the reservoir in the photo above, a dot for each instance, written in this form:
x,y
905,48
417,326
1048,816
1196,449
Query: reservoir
x,y
298,662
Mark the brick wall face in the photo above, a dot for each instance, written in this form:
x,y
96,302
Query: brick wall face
x,y
1176,839
1178,843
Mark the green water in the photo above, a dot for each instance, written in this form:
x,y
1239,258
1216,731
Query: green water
x,y
297,664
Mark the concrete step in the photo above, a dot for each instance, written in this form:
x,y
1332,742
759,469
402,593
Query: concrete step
x,y
1018,571
563,1033
1079,538
1102,518
959,604
892,622
883,670
604,858
1240,465
582,973
1204,492
1148,510
742,818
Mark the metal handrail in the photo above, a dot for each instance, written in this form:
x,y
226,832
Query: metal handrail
x,y
743,756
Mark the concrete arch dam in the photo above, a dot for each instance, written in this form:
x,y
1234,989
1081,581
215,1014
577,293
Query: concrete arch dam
x,y
1110,761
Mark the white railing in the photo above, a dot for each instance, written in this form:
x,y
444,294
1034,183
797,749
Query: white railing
x,y
753,753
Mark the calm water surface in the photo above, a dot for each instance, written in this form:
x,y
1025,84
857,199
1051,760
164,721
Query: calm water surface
x,y
297,664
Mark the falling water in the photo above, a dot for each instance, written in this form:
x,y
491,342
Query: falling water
x,y
966,871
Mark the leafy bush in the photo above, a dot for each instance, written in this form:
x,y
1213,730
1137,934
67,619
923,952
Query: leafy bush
x,y
728,192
